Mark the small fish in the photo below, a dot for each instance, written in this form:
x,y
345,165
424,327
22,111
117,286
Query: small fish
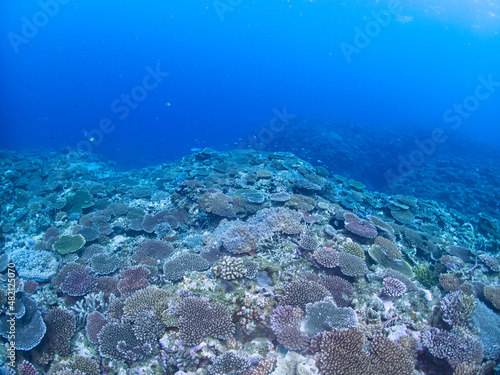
x,y
168,104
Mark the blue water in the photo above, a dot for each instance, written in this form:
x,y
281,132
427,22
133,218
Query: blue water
x,y
66,65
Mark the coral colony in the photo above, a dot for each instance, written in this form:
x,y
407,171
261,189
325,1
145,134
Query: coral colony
x,y
242,262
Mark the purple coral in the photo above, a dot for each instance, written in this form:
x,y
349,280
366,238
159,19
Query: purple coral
x,y
454,348
340,289
393,287
132,279
359,226
301,292
95,322
217,203
117,342
285,323
79,283
26,368
198,318
154,249
150,222
327,256
61,325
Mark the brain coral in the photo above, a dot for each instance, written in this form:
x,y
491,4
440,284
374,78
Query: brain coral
x,y
199,318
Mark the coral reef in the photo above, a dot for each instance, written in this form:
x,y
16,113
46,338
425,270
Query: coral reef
x,y
244,262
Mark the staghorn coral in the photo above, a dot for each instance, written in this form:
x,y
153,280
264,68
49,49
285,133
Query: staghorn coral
x,y
389,248
117,342
94,324
393,287
351,265
26,368
229,361
457,308
76,365
229,268
453,347
154,249
341,353
61,325
308,241
133,279
340,289
175,269
150,298
301,292
327,256
79,283
410,285
354,248
147,327
387,357
199,318
285,323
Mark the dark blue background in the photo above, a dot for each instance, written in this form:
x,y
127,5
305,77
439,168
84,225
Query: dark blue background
x,y
226,74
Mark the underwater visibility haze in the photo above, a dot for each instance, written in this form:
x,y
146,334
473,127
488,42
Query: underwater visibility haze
x,y
253,188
